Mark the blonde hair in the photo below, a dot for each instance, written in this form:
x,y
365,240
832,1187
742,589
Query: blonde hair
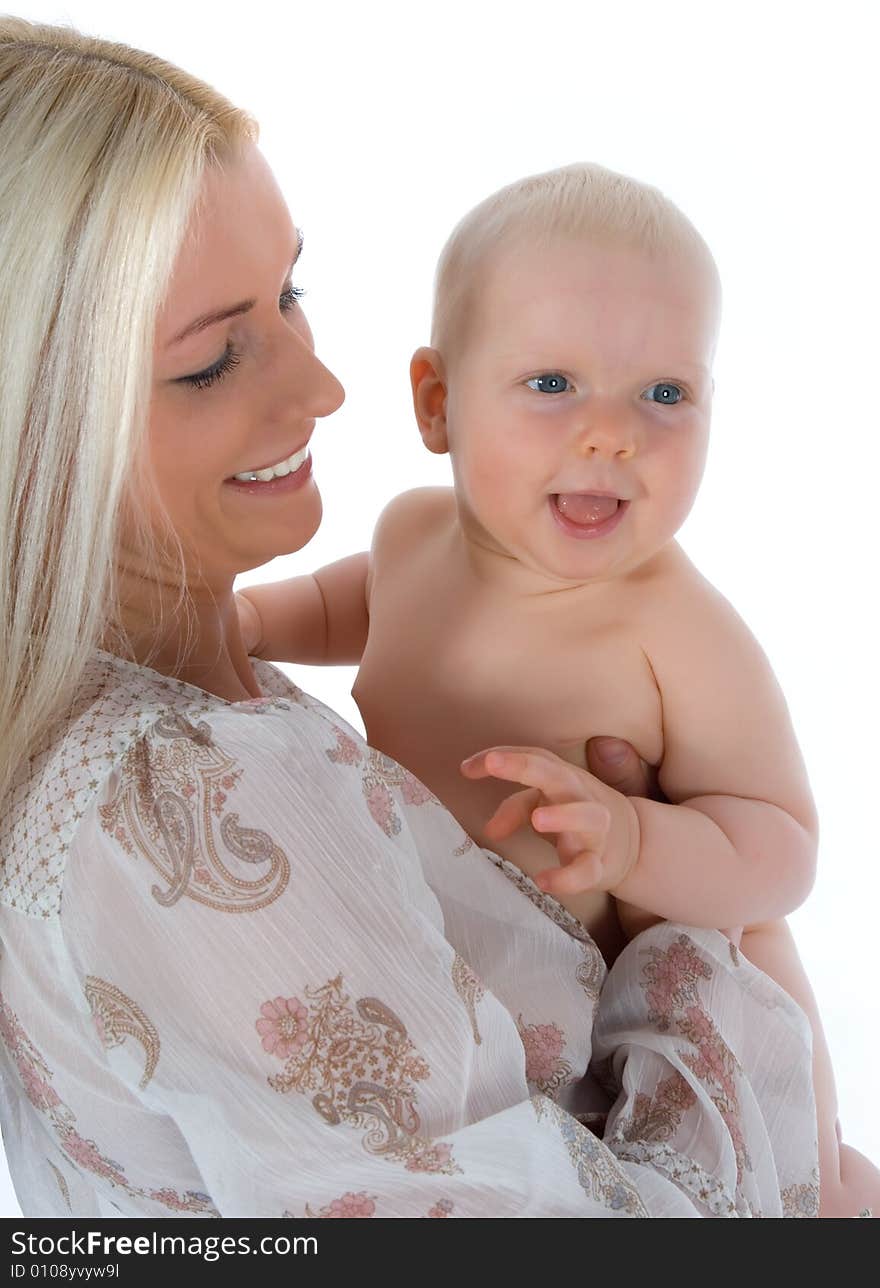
x,y
584,200
103,150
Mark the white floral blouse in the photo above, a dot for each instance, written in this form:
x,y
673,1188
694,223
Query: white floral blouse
x,y
252,967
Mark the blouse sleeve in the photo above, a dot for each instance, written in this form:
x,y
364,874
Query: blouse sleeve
x,y
289,1028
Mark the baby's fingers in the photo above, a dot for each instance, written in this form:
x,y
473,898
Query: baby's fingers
x,y
588,817
513,813
583,873
582,829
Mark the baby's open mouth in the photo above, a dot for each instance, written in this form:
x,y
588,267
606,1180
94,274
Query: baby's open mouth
x,y
586,508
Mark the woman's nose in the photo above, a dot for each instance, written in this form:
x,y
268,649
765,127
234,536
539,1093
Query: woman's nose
x,y
314,386
329,393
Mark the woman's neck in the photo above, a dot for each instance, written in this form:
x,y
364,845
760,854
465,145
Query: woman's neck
x,y
215,660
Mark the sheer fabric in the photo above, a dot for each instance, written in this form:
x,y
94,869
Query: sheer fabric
x,y
252,967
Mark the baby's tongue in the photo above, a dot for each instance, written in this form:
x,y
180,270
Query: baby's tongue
x,y
584,507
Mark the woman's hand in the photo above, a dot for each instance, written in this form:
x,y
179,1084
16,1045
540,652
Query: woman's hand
x,y
594,827
619,765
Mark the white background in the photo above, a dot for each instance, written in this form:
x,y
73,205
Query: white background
x,y
385,122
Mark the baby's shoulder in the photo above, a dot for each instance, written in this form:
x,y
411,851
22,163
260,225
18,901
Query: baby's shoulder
x,y
671,589
418,510
683,613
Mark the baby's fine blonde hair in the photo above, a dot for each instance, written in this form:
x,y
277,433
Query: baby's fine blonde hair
x,y
103,150
583,200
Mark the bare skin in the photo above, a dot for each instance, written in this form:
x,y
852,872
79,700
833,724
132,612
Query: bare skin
x,y
240,246
483,627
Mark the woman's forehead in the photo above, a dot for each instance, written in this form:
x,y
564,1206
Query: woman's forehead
x,y
240,232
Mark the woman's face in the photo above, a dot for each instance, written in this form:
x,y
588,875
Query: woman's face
x,y
262,408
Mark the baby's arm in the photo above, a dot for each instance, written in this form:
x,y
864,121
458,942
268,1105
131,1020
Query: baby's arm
x,y
323,618
737,844
320,619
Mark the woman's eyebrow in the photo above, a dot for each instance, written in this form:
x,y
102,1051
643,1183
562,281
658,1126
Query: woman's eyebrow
x,y
221,315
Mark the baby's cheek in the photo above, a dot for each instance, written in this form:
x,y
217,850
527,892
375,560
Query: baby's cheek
x,y
487,473
682,472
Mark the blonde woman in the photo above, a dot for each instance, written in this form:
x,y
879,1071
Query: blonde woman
x,y
251,967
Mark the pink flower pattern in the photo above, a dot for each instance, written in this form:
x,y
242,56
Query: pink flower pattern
x,y
545,1068
431,1156
348,1205
346,751
284,1026
671,983
380,776
359,1066
361,1205
415,792
381,806
657,1117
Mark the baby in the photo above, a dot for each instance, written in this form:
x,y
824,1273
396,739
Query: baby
x,y
543,600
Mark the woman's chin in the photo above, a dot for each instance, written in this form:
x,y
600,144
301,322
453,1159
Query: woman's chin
x,y
289,536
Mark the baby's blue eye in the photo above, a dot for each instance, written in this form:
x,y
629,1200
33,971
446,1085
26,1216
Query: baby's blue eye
x,y
549,383
669,394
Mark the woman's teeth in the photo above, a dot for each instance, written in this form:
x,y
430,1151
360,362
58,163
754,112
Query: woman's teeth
x,y
287,466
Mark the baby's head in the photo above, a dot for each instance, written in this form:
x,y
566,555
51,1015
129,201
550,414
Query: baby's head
x,y
575,321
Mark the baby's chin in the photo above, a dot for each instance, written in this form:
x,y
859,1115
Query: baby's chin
x,y
523,569
614,548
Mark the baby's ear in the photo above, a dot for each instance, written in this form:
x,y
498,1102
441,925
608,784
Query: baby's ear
x,y
428,379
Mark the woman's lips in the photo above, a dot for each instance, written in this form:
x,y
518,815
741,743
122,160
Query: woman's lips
x,y
289,483
587,531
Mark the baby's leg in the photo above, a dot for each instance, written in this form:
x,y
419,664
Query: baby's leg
x,y
848,1182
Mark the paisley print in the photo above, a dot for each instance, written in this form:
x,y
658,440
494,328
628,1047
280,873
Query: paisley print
x,y
117,1017
84,1154
469,989
170,807
359,1067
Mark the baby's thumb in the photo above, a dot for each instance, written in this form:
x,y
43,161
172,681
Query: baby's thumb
x,y
618,765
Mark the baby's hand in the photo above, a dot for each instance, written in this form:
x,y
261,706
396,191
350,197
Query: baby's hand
x,y
594,828
249,623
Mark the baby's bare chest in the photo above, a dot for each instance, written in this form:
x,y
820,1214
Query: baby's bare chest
x,y
449,671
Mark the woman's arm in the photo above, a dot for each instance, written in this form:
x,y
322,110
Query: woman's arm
x,y
288,1028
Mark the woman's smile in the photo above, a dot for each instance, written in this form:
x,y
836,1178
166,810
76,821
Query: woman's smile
x,y
275,484
292,461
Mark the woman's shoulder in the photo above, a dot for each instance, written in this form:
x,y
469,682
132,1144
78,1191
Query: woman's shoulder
x,y
124,714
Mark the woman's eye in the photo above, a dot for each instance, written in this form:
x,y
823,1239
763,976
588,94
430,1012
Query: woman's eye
x,y
290,297
204,379
231,358
664,392
549,383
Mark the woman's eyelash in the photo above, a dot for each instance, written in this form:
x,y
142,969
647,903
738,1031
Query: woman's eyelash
x,y
292,294
232,357
204,379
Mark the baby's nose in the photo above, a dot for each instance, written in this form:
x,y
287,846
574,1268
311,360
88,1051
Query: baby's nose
x,y
605,438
